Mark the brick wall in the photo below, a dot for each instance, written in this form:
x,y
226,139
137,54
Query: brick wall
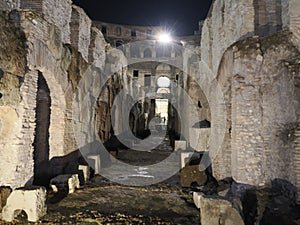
x,y
264,106
58,12
80,31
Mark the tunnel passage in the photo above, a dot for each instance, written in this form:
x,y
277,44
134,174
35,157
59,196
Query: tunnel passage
x,y
41,139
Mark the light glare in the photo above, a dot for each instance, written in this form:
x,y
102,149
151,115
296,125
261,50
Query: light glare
x,y
164,37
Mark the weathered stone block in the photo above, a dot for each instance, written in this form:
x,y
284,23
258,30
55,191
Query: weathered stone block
x,y
86,172
180,145
196,198
215,211
94,162
191,173
65,182
183,158
32,200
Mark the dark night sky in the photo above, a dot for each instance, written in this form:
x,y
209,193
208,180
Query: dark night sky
x,y
181,16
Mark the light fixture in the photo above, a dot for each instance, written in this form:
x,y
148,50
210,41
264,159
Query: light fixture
x,y
164,37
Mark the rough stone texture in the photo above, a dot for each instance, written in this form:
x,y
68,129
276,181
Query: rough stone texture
x,y
65,183
264,104
262,112
259,79
13,58
196,198
58,12
4,194
230,21
80,31
180,145
8,5
45,53
31,200
17,126
97,48
215,211
33,42
199,139
227,22
191,173
43,57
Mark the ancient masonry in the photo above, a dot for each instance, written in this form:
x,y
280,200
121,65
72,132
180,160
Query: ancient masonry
x,y
250,48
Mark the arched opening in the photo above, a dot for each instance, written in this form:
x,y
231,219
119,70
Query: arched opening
x,y
20,214
119,43
41,139
163,82
147,53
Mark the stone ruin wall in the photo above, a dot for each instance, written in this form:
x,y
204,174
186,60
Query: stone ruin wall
x,y
241,75
230,21
261,90
43,30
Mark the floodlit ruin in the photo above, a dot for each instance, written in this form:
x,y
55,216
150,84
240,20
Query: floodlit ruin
x,y
202,129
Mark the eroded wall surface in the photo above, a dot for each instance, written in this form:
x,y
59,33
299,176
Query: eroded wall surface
x,y
252,49
56,40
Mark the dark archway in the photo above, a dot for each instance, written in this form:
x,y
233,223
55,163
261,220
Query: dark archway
x,y
41,139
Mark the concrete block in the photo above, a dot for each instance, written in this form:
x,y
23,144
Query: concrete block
x,y
32,200
217,210
94,162
65,182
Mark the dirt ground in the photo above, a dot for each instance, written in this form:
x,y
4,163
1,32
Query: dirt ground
x,y
102,201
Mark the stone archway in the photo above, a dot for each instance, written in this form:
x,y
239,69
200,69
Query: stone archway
x,y
41,138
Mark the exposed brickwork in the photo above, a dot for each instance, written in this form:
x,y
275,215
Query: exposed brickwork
x,y
263,110
80,31
58,12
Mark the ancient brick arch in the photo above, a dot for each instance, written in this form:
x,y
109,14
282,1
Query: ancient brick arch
x,y
55,79
41,135
57,118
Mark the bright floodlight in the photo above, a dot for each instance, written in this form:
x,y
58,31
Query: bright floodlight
x,y
164,37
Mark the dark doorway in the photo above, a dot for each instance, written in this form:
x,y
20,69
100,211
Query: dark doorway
x,y
41,139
